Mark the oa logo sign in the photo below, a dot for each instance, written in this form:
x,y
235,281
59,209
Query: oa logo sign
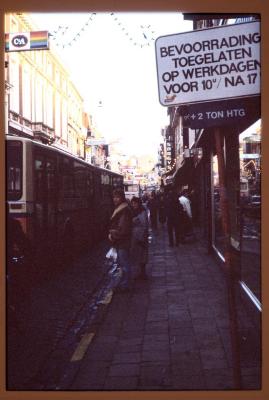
x,y
19,41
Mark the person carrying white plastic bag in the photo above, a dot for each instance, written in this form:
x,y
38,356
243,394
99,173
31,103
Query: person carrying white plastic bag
x,y
120,233
112,254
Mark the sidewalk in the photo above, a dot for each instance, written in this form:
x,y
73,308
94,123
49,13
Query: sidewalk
x,y
171,332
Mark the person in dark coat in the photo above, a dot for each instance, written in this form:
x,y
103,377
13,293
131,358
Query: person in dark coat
x,y
173,211
162,213
153,209
139,248
120,233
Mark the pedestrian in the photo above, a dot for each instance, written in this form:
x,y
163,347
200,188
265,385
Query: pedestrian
x,y
162,213
153,209
186,220
172,210
120,232
139,247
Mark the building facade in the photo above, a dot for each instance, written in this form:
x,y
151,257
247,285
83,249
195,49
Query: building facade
x,y
42,101
195,165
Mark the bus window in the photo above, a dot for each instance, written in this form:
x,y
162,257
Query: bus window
x,y
66,175
80,183
45,181
14,170
39,178
90,184
131,188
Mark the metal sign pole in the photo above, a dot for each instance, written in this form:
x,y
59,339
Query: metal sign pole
x,y
230,281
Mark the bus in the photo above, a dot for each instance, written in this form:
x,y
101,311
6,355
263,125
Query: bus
x,y
244,187
60,203
131,189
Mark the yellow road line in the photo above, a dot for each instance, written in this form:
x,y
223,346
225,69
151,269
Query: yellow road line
x,y
82,346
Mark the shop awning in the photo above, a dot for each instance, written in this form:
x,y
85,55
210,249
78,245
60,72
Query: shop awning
x,y
182,175
168,176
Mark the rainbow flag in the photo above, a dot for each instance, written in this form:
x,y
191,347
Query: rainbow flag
x,y
38,40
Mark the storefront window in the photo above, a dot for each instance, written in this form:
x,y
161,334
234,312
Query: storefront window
x,y
218,235
250,205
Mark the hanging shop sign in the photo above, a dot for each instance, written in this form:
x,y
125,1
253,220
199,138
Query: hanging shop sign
x,y
209,64
38,40
95,142
239,112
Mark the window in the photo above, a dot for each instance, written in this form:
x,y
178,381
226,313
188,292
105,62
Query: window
x,y
64,119
90,183
26,92
58,115
250,208
15,82
49,106
14,170
39,100
131,188
66,174
218,235
49,68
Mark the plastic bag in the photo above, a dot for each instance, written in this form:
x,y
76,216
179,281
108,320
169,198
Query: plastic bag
x,y
112,254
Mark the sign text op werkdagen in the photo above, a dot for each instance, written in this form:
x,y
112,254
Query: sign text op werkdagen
x,y
210,64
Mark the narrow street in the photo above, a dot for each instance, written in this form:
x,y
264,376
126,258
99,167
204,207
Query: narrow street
x,y
140,130
53,312
171,332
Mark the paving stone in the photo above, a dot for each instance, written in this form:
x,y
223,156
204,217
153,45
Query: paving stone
x,y
214,363
171,333
181,315
183,330
91,376
127,358
124,370
156,337
117,383
219,379
156,346
191,382
198,311
134,341
252,382
131,334
183,343
186,363
223,322
174,309
250,371
125,348
155,356
100,354
157,316
106,339
160,326
155,375
209,342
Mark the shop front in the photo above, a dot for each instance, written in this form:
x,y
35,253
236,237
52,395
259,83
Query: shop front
x,y
241,149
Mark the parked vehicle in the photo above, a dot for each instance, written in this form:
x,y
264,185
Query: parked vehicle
x,y
61,203
131,189
255,200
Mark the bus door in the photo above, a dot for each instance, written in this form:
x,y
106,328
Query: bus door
x,y
45,202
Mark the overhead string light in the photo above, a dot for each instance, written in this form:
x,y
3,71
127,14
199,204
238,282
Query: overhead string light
x,y
147,33
63,30
60,30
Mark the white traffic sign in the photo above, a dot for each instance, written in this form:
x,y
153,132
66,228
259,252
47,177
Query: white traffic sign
x,y
209,64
